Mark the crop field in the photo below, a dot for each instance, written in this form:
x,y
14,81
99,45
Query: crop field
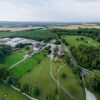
x,y
72,27
18,28
74,40
8,93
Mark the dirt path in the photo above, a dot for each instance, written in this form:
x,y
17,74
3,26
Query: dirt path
x,y
58,83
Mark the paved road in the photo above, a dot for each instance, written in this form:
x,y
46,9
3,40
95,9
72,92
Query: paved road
x,y
35,52
89,95
85,71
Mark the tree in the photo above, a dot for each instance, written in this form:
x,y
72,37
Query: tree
x,y
81,38
93,64
27,47
4,72
77,39
65,42
87,56
20,45
13,81
4,50
36,91
93,80
25,88
63,75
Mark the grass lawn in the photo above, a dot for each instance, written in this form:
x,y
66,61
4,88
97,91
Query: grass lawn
x,y
27,65
40,77
72,40
8,93
15,57
70,82
56,66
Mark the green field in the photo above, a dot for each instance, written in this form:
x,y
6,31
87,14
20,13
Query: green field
x,y
72,86
70,82
40,77
15,57
36,70
26,66
8,93
6,34
74,40
41,74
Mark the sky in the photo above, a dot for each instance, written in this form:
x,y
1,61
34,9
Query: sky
x,y
50,10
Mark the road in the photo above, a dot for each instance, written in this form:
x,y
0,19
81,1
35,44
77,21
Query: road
x,y
35,52
89,95
85,71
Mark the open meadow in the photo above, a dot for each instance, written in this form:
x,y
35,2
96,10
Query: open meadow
x,y
8,93
76,40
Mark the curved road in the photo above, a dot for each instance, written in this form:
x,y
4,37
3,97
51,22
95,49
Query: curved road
x,y
89,95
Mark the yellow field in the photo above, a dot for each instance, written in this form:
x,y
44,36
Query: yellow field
x,y
71,27
19,28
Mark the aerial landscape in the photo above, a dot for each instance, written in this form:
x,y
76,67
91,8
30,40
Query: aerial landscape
x,y
46,57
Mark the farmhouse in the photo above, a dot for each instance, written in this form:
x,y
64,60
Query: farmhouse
x,y
61,50
36,46
56,50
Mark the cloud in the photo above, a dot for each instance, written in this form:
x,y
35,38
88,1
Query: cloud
x,y
50,10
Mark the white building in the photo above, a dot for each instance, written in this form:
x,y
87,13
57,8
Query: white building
x,y
14,41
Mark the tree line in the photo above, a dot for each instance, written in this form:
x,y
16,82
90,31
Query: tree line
x,y
4,50
92,32
87,56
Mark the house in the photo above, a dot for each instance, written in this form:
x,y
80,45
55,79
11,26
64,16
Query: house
x,y
61,50
36,46
56,50
30,53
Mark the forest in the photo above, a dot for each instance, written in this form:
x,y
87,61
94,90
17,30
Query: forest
x,y
87,56
35,34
